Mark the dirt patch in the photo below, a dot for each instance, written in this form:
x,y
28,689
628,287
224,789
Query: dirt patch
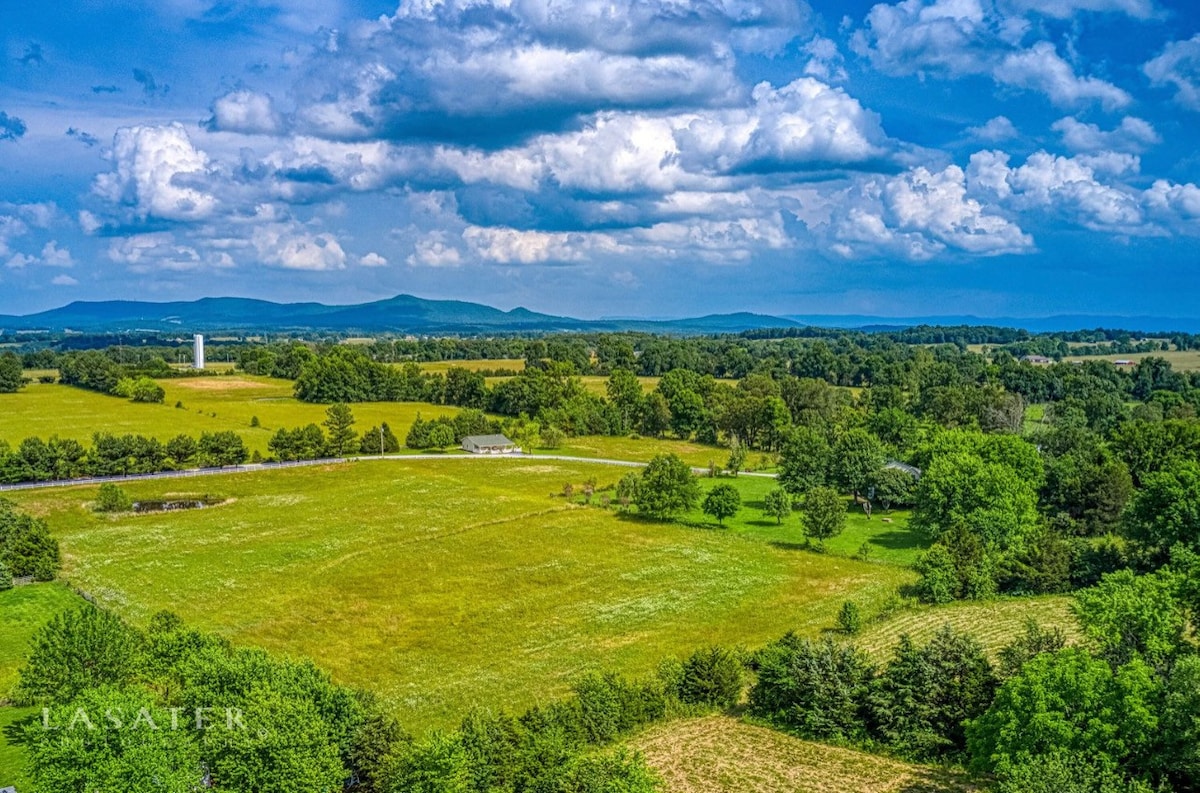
x,y
217,384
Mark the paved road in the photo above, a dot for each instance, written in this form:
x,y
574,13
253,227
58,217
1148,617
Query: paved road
x,y
253,467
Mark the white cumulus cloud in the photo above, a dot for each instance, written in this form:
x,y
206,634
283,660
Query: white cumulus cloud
x,y
1040,68
1132,135
1179,65
157,172
245,111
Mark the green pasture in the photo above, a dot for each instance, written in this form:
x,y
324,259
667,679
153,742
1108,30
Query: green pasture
x,y
606,447
474,365
450,583
1180,360
885,534
209,404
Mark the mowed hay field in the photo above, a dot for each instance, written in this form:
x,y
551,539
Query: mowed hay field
x,y
719,754
449,583
995,623
210,404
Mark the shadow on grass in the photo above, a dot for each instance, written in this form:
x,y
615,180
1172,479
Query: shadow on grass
x,y
785,545
896,540
933,780
14,733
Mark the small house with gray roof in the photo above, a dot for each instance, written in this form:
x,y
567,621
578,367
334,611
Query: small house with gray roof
x,y
489,444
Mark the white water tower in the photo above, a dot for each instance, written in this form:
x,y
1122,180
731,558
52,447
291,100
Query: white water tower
x,y
198,351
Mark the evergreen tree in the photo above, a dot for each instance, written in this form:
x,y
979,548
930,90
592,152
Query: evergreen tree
x,y
339,422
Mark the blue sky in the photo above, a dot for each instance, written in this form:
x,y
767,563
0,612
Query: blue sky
x,y
628,157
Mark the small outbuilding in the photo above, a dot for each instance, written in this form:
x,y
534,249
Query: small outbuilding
x,y
489,444
8,790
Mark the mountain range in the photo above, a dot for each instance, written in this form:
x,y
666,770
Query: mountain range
x,y
414,315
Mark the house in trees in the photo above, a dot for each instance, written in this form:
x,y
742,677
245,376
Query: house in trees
x,y
488,444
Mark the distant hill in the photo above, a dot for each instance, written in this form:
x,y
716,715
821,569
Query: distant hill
x,y
415,315
400,314
1063,322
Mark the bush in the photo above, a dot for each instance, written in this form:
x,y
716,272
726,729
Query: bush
x,y
850,618
618,772
925,695
26,547
112,499
6,579
552,438
939,576
610,706
712,677
1063,773
146,390
820,690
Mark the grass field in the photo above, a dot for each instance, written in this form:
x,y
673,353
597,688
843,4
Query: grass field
x,y
210,404
22,611
1180,360
995,623
886,535
720,754
640,450
445,584
475,365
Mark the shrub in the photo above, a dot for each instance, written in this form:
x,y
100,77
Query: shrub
x,y
819,690
850,618
925,695
552,438
6,579
712,677
1063,773
609,706
26,547
112,499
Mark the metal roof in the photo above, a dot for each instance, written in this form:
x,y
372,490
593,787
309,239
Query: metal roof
x,y
488,440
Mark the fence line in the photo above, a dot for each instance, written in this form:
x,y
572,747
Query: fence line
x,y
252,467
